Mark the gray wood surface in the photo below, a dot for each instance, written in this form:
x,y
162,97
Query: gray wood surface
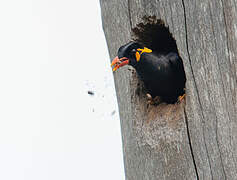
x,y
196,139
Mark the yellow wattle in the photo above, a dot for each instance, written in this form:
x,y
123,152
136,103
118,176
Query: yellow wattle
x,y
138,56
144,50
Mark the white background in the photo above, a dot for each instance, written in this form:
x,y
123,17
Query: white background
x,y
51,53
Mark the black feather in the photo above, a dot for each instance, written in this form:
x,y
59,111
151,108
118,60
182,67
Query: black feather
x,y
163,74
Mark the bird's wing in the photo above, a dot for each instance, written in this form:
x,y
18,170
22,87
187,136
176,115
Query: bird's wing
x,y
174,60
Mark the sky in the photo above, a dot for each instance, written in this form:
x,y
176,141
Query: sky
x,y
52,52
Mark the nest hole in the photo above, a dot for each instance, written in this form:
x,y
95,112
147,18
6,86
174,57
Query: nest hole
x,y
153,33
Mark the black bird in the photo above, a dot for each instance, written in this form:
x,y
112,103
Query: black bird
x,y
163,74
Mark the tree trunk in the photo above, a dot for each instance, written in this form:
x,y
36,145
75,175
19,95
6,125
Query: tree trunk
x,y
196,139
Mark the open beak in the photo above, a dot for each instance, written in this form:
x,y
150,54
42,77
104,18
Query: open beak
x,y
117,63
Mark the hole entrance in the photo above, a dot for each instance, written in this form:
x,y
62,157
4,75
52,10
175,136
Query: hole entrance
x,y
153,33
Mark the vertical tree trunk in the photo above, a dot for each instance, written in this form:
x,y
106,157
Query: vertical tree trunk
x,y
196,139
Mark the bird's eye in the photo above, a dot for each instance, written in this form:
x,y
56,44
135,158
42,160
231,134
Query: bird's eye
x,y
134,50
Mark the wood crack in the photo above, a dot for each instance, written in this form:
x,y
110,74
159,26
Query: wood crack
x,y
195,84
129,14
198,97
190,144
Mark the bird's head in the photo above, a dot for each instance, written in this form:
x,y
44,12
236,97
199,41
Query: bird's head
x,y
129,54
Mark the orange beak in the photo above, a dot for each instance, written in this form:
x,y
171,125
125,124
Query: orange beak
x,y
117,63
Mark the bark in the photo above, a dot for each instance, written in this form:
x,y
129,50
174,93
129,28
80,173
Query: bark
x,y
196,139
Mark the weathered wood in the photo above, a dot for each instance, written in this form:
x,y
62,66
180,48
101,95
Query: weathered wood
x,y
192,140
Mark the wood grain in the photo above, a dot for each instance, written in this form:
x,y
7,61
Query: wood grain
x,y
196,139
